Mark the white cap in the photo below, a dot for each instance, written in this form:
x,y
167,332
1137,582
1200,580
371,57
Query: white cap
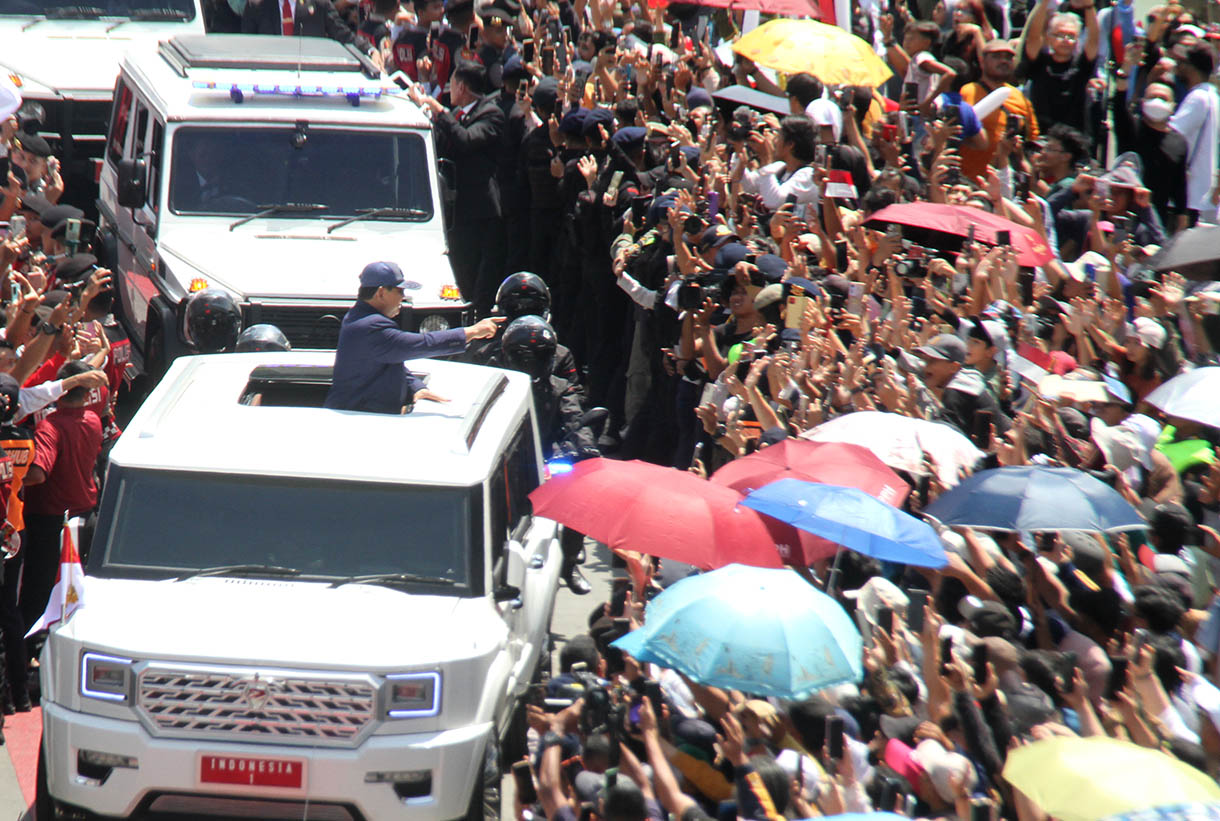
x,y
823,112
876,593
1151,333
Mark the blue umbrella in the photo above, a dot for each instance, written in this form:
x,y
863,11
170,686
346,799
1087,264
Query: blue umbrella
x,y
852,518
752,629
1037,499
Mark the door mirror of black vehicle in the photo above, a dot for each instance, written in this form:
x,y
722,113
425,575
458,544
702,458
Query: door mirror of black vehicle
x,y
132,182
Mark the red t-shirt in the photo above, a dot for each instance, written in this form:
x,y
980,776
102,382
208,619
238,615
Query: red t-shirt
x,y
66,447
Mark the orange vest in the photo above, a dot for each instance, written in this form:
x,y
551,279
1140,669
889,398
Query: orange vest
x,y
18,446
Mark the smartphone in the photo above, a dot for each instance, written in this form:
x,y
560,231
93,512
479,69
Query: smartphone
x,y
472,38
888,800
524,778
969,238
910,92
618,596
639,209
982,428
548,60
946,654
916,599
1015,126
16,226
652,690
616,179
885,619
820,153
952,115
1138,639
72,235
1025,279
713,204
527,50
1118,676
979,659
675,37
1003,238
795,310
981,809
834,737
1121,229
841,256
855,300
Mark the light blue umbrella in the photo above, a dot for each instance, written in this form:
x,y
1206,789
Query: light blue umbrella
x,y
752,629
852,518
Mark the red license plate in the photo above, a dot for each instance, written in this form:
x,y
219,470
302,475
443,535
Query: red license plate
x,y
251,772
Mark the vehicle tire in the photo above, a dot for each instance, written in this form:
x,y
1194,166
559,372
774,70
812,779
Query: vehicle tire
x,y
44,805
485,795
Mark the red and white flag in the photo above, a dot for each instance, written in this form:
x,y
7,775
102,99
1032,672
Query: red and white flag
x,y
68,594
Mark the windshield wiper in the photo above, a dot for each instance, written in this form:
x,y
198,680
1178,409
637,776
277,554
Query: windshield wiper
x,y
374,213
282,208
240,569
390,579
74,13
153,15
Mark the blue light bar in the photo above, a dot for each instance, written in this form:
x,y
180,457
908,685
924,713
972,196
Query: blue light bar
x,y
558,467
353,94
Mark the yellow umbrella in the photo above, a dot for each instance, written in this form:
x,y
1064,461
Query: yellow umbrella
x,y
827,52
1086,779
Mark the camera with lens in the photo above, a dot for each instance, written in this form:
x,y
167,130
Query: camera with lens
x,y
743,122
692,293
911,267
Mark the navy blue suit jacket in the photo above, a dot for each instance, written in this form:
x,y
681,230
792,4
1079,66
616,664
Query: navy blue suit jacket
x,y
369,373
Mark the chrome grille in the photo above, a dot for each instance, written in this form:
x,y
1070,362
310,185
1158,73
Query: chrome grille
x,y
252,706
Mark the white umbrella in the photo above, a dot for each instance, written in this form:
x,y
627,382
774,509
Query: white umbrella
x,y
901,441
1191,396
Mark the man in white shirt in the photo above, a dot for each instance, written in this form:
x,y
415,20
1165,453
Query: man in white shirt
x,y
1198,120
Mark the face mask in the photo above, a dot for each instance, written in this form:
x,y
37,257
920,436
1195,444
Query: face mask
x,y
1156,109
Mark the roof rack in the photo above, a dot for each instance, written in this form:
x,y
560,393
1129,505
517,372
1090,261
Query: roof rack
x,y
255,51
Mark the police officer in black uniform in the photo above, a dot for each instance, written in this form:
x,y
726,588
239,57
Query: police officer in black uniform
x,y
528,345
523,294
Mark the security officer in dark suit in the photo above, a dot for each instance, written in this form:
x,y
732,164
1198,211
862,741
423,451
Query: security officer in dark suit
x,y
471,134
528,345
310,18
369,374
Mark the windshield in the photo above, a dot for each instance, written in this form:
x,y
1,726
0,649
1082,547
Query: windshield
x,y
242,171
160,9
165,524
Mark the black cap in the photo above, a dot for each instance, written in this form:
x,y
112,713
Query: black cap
x,y
35,203
32,143
75,267
9,392
546,93
56,214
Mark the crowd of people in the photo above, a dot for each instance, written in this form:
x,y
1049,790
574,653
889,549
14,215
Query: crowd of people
x,y
718,247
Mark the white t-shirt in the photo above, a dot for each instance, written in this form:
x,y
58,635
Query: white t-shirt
x,y
773,187
916,73
1198,120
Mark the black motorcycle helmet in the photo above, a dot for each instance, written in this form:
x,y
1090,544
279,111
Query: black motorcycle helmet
x,y
262,337
213,320
522,294
529,346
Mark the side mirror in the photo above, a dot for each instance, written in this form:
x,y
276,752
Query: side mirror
x,y
132,182
515,555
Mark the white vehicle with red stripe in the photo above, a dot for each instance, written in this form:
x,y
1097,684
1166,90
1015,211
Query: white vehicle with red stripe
x,y
273,168
296,612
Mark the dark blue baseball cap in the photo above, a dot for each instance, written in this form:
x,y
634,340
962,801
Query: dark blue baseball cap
x,y
381,275
598,116
573,122
630,138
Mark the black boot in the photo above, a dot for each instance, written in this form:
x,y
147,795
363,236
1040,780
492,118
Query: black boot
x,y
574,579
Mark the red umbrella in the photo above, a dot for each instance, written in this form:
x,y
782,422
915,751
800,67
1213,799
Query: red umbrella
x,y
672,514
784,8
941,225
831,463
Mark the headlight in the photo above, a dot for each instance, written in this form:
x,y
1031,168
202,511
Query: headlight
x,y
434,322
413,695
105,677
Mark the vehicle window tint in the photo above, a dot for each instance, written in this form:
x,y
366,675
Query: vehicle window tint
x,y
155,152
522,477
117,138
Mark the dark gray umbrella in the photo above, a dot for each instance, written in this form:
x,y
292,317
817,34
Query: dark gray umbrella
x,y
1194,253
